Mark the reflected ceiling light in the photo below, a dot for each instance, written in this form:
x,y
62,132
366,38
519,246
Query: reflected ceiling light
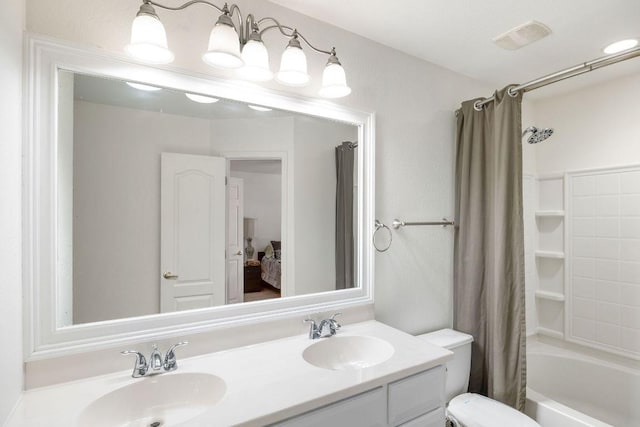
x,y
259,108
620,46
239,46
202,99
147,88
148,37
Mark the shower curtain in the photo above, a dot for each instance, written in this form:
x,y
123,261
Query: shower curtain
x,y
489,246
344,215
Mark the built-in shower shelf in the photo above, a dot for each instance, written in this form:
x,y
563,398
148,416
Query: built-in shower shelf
x,y
550,254
553,296
548,214
549,332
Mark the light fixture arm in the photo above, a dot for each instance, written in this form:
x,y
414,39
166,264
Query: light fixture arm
x,y
294,33
244,27
183,6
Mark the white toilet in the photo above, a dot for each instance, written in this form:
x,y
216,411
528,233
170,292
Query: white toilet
x,y
470,409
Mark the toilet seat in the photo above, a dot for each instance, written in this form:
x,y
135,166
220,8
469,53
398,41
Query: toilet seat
x,y
474,410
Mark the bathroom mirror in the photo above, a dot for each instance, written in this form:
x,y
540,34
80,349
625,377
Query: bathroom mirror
x,y
166,202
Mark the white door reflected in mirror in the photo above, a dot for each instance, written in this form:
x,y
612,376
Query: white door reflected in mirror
x,y
192,227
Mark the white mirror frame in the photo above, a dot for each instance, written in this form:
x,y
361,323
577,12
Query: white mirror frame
x,y
43,337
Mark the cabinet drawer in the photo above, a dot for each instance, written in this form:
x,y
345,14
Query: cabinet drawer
x,y
364,410
435,418
416,395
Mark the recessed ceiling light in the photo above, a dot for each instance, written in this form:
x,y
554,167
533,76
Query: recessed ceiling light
x,y
140,86
201,98
259,108
620,46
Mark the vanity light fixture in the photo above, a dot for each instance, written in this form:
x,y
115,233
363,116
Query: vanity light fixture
x,y
239,46
619,46
147,88
202,99
258,107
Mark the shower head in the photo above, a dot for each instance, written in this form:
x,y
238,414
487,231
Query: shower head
x,y
537,135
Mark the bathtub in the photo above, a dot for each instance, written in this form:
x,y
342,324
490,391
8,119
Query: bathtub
x,y
571,388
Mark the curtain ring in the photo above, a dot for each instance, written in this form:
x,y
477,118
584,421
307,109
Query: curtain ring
x,y
477,105
379,226
512,93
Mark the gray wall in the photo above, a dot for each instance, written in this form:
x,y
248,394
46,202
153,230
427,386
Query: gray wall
x,y
11,28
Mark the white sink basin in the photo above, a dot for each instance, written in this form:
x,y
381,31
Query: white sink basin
x,y
348,352
167,399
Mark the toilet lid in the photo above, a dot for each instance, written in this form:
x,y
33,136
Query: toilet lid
x,y
474,410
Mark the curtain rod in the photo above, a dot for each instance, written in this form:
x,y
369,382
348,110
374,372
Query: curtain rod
x,y
576,70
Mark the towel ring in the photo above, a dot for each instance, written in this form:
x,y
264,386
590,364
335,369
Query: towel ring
x,y
379,226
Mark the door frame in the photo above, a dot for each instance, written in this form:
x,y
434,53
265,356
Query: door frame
x,y
287,282
241,227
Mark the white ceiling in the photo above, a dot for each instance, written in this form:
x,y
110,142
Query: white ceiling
x,y
457,34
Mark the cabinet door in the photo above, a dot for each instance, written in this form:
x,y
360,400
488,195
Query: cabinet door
x,y
364,410
416,395
435,418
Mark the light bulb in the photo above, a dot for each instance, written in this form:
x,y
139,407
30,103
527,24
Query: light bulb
x,y
146,88
293,65
620,46
148,38
224,45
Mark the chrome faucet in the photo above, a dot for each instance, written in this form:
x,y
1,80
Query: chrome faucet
x,y
326,328
170,363
156,362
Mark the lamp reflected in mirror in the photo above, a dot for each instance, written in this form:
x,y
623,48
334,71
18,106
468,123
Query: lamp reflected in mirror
x,y
249,232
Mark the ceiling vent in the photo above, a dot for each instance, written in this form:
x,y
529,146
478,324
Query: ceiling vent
x,y
522,35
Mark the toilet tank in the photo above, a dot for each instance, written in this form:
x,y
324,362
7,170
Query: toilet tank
x,y
459,367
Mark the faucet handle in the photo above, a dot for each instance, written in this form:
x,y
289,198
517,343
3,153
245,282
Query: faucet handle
x,y
140,367
170,362
334,322
313,328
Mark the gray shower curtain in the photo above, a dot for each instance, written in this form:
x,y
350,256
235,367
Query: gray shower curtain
x,y
344,216
489,246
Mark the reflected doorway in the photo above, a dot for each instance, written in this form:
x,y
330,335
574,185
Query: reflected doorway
x,y
261,207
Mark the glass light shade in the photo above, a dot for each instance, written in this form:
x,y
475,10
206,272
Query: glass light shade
x,y
149,41
202,99
334,82
256,62
293,67
224,48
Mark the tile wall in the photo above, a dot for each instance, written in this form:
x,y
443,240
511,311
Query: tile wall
x,y
604,243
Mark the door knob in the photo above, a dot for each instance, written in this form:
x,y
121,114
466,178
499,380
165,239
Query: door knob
x,y
169,275
239,253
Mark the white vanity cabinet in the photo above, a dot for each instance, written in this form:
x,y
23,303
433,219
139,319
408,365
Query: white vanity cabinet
x,y
414,401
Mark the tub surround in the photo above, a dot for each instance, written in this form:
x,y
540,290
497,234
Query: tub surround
x,y
265,382
562,386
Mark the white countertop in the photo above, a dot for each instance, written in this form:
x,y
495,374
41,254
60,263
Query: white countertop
x,y
266,382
